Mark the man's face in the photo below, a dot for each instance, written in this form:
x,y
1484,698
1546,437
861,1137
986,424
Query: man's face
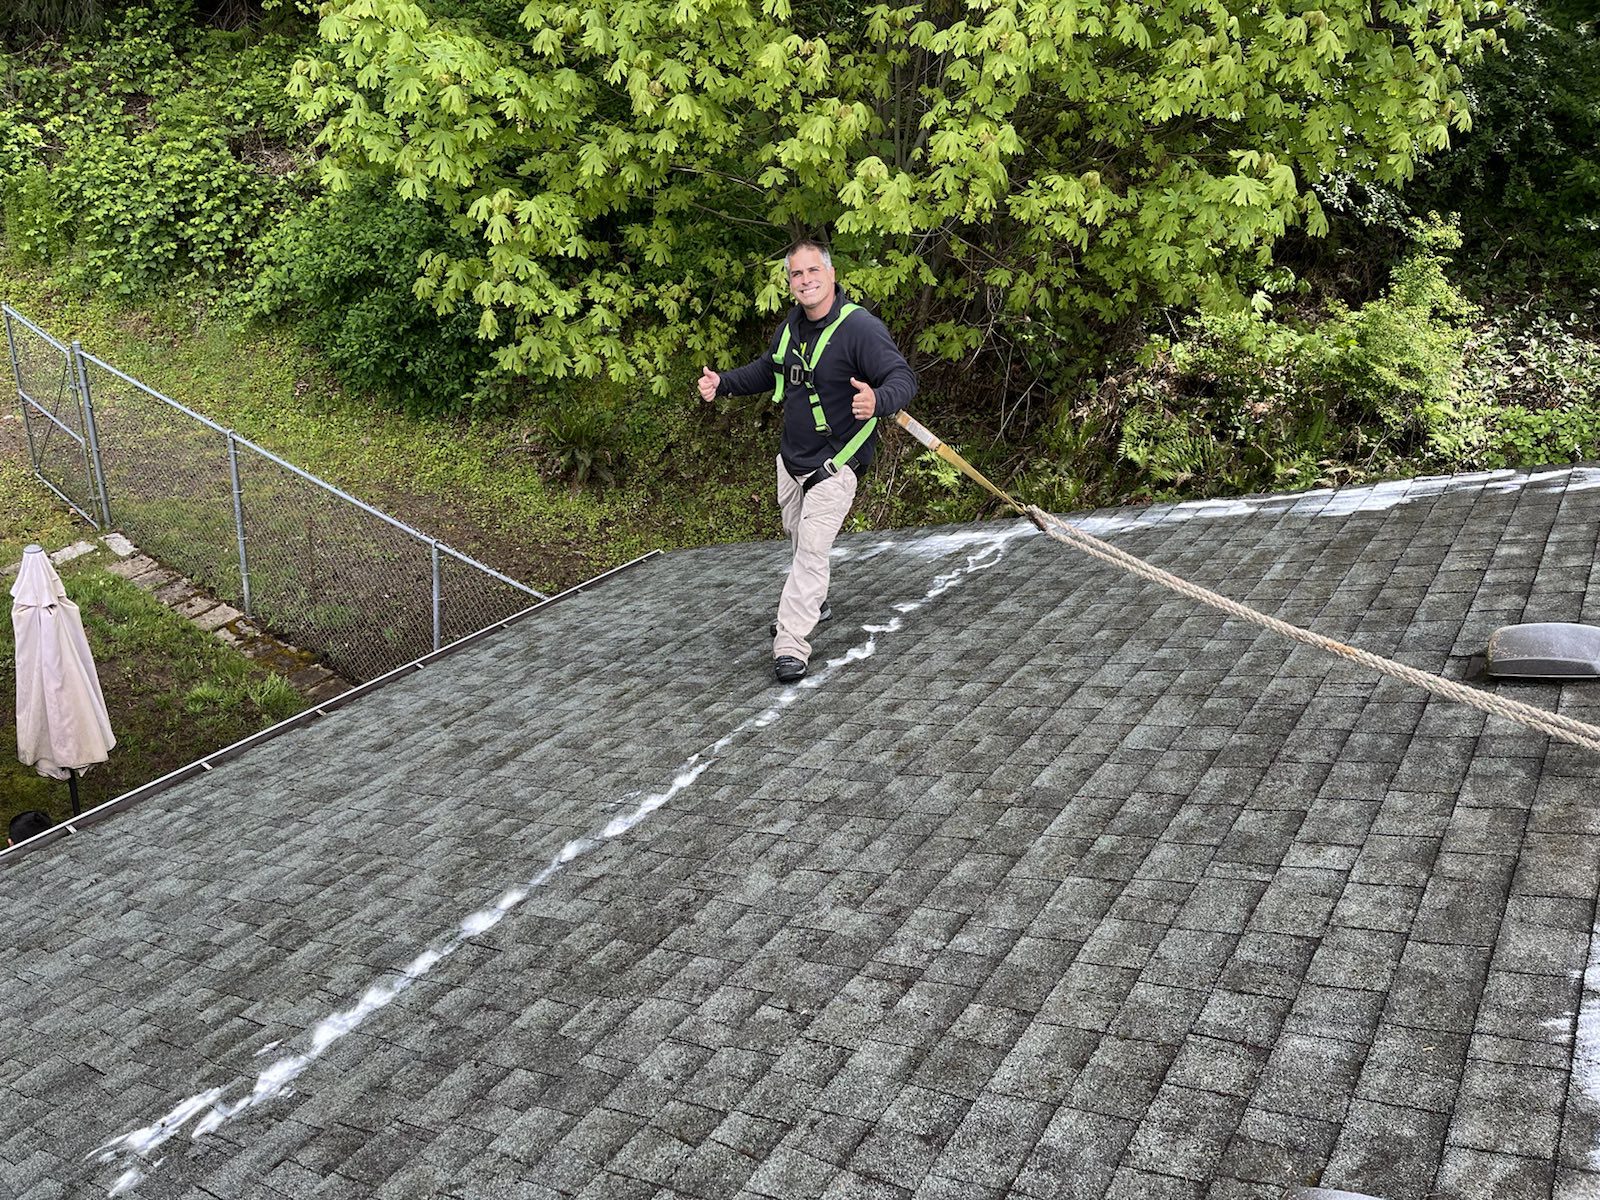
x,y
811,280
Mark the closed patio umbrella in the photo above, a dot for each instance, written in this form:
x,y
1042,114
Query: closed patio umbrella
x,y
62,726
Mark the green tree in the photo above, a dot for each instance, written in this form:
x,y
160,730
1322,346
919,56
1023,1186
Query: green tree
x,y
1527,179
999,168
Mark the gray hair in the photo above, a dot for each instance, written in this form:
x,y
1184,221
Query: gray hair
x,y
807,244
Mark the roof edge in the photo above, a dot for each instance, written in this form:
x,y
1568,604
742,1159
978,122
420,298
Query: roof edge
x,y
9,856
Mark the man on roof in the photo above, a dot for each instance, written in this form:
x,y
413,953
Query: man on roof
x,y
836,370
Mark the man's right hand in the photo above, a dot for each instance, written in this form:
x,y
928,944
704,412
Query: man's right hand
x,y
709,380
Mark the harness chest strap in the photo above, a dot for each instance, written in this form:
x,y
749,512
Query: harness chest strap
x,y
807,365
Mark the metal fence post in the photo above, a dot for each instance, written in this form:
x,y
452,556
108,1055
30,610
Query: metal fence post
x,y
89,427
77,391
438,601
238,522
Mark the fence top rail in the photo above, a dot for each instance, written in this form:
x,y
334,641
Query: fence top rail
x,y
472,562
312,479
14,315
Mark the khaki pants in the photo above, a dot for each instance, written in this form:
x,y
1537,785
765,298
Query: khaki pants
x,y
812,520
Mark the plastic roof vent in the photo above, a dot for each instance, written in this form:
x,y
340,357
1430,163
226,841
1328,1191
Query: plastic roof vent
x,y
1550,650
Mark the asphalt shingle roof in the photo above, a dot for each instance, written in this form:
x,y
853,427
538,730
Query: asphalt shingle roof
x,y
1048,884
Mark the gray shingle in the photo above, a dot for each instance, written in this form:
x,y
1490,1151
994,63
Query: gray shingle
x,y
1072,888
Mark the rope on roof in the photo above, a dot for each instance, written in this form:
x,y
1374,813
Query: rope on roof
x,y
1567,729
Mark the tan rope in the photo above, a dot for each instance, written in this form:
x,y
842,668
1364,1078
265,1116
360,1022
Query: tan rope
x,y
1567,729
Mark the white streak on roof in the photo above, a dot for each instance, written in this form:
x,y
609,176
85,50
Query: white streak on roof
x,y
209,1111
126,1182
574,848
939,545
1319,502
482,922
1586,1053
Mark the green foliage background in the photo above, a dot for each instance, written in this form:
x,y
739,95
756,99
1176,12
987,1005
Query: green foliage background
x,y
623,168
1171,249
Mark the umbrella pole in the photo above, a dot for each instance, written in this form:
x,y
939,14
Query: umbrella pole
x,y
72,786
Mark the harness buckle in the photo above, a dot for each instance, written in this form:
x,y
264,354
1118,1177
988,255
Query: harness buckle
x,y
823,473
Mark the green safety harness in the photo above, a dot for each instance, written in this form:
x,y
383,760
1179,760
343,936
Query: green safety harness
x,y
802,376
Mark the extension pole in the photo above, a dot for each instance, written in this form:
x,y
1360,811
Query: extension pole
x,y
919,431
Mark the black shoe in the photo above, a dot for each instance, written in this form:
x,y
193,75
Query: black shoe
x,y
824,614
788,669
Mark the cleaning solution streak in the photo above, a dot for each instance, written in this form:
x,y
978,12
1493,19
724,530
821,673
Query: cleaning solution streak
x,y
135,1152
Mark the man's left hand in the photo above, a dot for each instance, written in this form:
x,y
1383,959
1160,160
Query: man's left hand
x,y
865,401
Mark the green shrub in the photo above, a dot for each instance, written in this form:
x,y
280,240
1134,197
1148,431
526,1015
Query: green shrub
x,y
1512,436
21,143
342,270
1415,379
1228,407
1238,401
169,204
1398,359
583,440
37,228
600,431
147,157
1534,375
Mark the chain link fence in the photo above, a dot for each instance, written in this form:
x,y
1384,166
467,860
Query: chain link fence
x,y
318,567
57,423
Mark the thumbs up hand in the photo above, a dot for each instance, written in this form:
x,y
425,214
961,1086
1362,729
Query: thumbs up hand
x,y
707,383
865,401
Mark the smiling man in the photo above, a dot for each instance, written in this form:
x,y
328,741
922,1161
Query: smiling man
x,y
836,370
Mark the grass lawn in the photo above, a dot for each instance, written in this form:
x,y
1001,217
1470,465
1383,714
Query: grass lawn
x,y
478,486
174,693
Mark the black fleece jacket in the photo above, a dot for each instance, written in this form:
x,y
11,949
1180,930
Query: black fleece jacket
x,y
860,347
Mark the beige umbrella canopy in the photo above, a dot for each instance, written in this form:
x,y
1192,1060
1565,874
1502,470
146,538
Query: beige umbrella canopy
x,y
62,726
